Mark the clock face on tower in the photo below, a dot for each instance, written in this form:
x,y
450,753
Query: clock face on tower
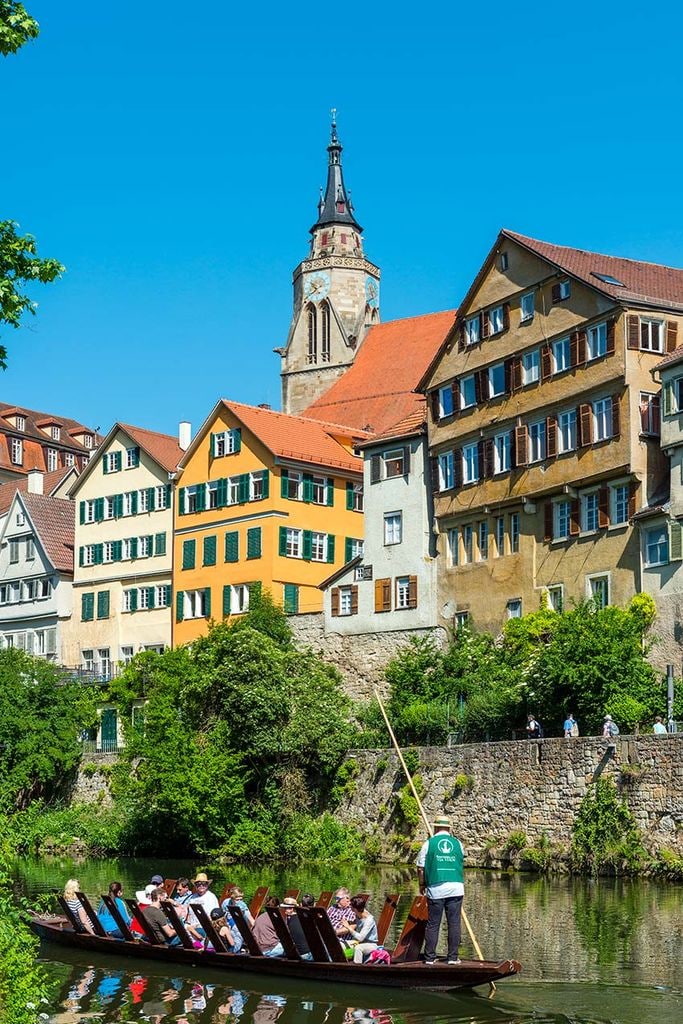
x,y
372,292
317,286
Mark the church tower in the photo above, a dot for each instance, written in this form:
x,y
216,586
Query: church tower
x,y
336,295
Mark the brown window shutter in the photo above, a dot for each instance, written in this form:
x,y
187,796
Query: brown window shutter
x,y
477,387
354,600
551,437
616,416
334,593
633,331
644,407
611,332
633,487
455,391
386,595
556,295
581,339
513,453
457,467
644,335
488,458
434,399
434,473
507,369
516,374
506,316
462,343
375,469
671,335
481,456
574,349
406,460
585,424
548,526
656,414
379,591
574,518
521,445
484,325
546,365
412,591
603,507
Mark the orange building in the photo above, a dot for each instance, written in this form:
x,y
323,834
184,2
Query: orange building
x,y
263,498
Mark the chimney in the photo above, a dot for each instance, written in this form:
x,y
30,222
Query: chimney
x,y
263,405
34,479
184,434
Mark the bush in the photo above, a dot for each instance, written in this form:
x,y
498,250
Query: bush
x,y
605,833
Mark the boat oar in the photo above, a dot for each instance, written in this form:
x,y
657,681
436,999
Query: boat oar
x,y
468,926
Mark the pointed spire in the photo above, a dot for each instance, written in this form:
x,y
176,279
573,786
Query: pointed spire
x,y
335,205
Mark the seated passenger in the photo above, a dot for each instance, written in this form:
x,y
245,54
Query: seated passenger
x,y
107,921
223,925
71,890
183,892
143,898
157,920
265,933
364,933
202,894
307,900
236,896
295,929
341,910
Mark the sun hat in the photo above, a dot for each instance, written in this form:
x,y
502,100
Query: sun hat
x,y
142,895
442,822
202,877
289,901
608,718
157,880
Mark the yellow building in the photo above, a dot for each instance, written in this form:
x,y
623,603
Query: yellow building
x,y
264,498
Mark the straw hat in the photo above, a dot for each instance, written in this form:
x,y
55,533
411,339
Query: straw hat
x,y
442,822
202,877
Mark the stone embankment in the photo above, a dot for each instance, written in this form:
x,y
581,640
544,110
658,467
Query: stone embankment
x,y
490,790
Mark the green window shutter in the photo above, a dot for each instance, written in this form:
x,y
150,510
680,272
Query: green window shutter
x,y
675,542
222,492
105,464
168,495
99,509
330,547
330,491
87,607
136,456
117,550
207,602
348,548
284,484
307,545
150,597
243,487
150,499
291,602
118,506
209,551
308,487
349,496
134,599
283,541
254,542
134,502
167,595
668,398
189,548
236,440
181,501
81,556
103,604
82,513
160,544
266,483
201,498
150,545
232,547
99,554
179,605
133,547
227,590
213,446
118,461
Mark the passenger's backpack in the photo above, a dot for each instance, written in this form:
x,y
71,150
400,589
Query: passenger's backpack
x,y
613,729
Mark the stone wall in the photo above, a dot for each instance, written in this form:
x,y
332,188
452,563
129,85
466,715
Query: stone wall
x,y
535,787
91,785
362,658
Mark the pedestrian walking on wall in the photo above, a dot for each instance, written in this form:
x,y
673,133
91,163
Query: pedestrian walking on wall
x,y
533,728
571,726
610,729
659,729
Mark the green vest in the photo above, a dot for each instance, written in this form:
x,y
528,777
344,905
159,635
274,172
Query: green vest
x,y
443,862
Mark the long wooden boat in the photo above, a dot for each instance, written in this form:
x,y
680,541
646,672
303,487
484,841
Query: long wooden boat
x,y
409,974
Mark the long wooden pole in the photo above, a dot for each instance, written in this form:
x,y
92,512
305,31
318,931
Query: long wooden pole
x,y
468,926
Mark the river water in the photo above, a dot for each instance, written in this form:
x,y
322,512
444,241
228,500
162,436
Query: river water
x,y
607,950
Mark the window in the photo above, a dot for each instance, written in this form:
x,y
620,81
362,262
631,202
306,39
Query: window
x,y
21,519
496,320
597,341
354,549
160,497
108,508
325,332
657,546
470,463
293,543
132,457
354,497
258,485
127,654
69,459
500,536
453,536
527,307
196,604
589,512
446,471
561,518
566,432
619,504
145,547
597,588
104,662
311,319
254,542
20,423
403,592
234,490
14,551
108,551
143,499
227,442
30,549
468,392
461,619
651,335
212,494
496,380
239,599
103,604
472,330
87,440
561,291
27,590
292,485
561,355
531,367
483,540
467,544
318,547
111,463
602,419
52,460
394,462
514,609
504,261
345,600
556,598
14,593
88,554
17,451
649,413
88,660
87,607
445,402
537,445
501,452
514,532
189,554
393,527
208,550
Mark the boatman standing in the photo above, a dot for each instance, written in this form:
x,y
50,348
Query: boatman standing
x,y
440,874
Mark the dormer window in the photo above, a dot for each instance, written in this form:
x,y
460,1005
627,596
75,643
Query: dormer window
x,y
17,451
561,291
87,440
55,432
21,423
472,330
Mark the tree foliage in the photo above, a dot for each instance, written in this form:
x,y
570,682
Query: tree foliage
x,y
16,27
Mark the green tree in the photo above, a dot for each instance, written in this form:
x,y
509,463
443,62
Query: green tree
x,y
16,27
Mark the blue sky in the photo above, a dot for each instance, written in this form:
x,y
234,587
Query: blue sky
x,y
173,166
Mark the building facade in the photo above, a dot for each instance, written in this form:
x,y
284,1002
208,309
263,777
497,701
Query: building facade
x,y
264,499
123,550
544,429
336,296
35,440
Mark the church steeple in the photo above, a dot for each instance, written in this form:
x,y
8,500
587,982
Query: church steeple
x,y
335,206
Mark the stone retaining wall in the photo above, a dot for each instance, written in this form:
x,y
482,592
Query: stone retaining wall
x,y
91,785
535,787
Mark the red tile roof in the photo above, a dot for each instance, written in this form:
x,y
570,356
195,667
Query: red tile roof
x,y
53,519
299,438
164,448
51,482
36,442
377,391
673,357
410,426
649,283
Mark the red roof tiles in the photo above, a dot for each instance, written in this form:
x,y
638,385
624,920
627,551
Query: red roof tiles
x,y
51,482
53,519
163,448
673,357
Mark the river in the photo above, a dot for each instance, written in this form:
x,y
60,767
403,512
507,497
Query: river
x,y
605,950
